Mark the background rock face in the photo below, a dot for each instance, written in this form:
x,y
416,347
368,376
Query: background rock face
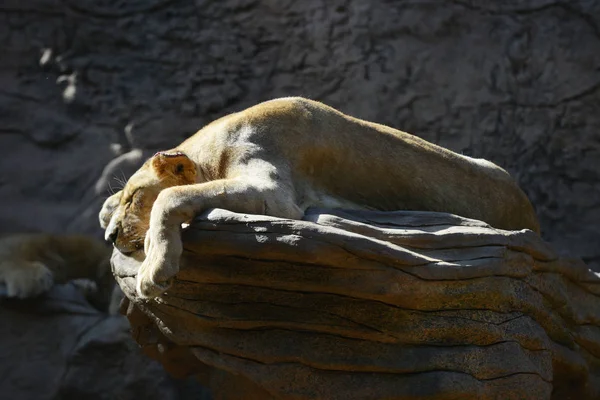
x,y
83,82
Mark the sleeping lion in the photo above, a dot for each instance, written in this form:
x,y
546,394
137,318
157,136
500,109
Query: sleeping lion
x,y
31,263
282,156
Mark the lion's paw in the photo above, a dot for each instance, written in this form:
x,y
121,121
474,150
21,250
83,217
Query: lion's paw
x,y
153,278
27,280
161,264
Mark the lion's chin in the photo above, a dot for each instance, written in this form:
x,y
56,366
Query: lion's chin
x,y
128,248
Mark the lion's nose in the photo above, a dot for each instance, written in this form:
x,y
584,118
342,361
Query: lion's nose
x,y
111,235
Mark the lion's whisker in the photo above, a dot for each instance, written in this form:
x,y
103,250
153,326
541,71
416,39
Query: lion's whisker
x,y
110,189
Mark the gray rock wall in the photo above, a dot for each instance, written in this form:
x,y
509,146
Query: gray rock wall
x,y
83,82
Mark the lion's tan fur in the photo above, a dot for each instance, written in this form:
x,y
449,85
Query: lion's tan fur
x,y
281,157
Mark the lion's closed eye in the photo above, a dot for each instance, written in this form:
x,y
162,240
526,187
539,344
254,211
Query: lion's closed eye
x,y
138,199
131,198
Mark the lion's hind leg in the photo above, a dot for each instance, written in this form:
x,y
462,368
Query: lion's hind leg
x,y
24,279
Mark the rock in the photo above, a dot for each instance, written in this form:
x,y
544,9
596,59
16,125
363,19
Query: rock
x,y
357,305
59,347
513,81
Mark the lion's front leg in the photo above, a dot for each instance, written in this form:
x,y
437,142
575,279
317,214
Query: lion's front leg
x,y
163,249
179,204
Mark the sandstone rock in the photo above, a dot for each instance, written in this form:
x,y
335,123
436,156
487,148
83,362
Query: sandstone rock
x,y
370,305
58,347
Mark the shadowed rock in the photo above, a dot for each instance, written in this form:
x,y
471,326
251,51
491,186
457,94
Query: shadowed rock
x,y
400,305
58,347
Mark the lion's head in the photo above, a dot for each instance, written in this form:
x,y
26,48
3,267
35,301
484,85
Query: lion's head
x,y
126,214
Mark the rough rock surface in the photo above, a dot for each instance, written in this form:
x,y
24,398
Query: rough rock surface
x,y
58,347
83,82
371,305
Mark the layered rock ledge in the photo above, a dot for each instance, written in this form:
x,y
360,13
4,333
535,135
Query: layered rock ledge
x,y
371,305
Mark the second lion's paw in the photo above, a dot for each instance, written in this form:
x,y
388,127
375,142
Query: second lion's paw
x,y
28,280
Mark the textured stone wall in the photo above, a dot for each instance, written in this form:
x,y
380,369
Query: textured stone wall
x,y
83,82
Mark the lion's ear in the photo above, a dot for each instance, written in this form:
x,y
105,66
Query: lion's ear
x,y
174,166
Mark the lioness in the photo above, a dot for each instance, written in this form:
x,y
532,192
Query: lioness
x,y
31,263
281,157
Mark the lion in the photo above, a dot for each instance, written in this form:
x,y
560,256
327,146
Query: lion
x,y
31,263
282,156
